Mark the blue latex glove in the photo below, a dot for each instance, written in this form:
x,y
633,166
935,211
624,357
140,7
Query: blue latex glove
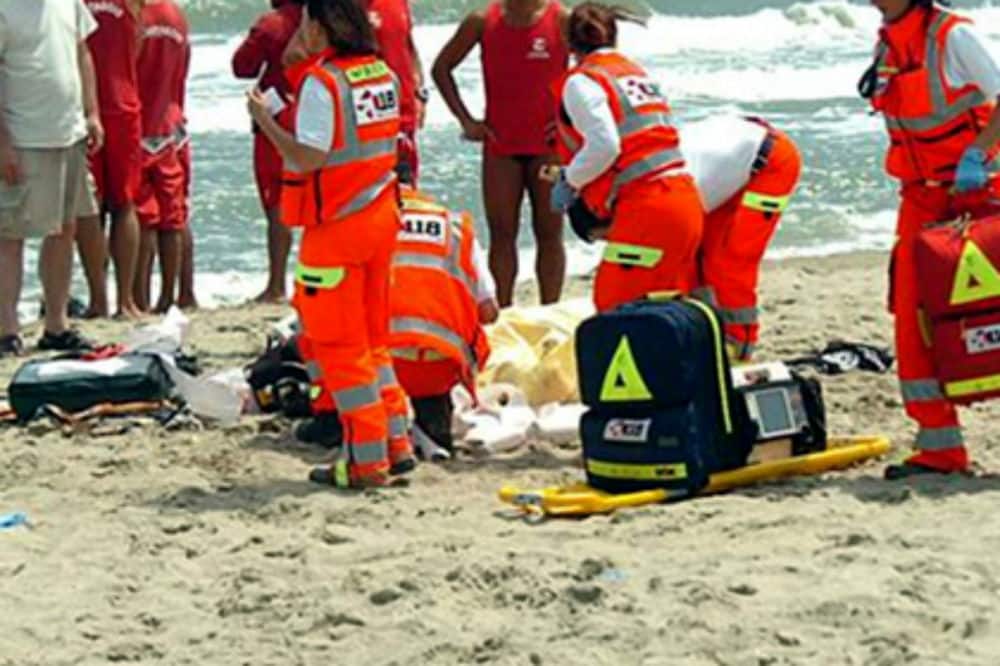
x,y
971,174
563,195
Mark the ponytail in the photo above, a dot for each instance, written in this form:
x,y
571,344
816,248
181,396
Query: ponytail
x,y
594,25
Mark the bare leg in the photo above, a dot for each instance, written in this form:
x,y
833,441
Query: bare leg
x,y
550,255
144,271
11,279
125,253
279,244
92,245
503,191
55,265
187,298
171,257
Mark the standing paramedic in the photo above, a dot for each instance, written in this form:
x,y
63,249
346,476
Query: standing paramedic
x,y
442,294
164,58
259,57
117,167
746,171
623,162
523,52
340,188
937,87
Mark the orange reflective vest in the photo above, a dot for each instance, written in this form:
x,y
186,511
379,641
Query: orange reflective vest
x,y
359,166
649,141
433,301
930,123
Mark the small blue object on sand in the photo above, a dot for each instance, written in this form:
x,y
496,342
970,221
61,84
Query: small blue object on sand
x,y
9,521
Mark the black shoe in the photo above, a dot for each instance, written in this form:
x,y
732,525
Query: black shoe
x,y
404,466
323,430
11,345
70,340
433,416
907,470
75,308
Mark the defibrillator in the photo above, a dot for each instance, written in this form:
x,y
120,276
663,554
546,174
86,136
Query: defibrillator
x,y
784,405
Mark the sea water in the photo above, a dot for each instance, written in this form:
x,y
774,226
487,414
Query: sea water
x,y
794,63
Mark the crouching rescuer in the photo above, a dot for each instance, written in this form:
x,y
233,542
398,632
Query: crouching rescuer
x,y
442,293
937,87
340,188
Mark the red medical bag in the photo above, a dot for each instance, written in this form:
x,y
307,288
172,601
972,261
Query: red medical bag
x,y
958,266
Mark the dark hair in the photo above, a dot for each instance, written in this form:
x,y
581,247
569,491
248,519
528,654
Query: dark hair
x,y
346,25
594,25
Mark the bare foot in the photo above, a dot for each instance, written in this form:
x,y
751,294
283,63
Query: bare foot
x,y
129,312
162,307
271,297
187,302
96,313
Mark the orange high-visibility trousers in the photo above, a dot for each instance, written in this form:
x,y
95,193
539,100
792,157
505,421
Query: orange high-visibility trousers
x,y
735,239
341,295
652,243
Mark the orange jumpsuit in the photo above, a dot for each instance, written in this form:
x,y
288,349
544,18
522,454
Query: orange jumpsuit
x,y
350,216
435,336
930,125
736,236
656,216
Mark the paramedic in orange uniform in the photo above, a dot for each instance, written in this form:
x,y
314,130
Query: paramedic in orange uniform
x,y
523,54
259,57
746,171
937,87
442,293
164,58
615,136
117,167
340,188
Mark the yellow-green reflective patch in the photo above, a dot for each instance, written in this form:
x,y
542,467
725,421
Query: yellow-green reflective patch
x,y
638,472
366,72
976,278
319,278
632,255
623,382
970,386
765,202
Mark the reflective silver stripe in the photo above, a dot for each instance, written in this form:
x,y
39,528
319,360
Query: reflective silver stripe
x,y
741,316
386,376
638,122
361,151
942,112
935,439
706,295
353,148
313,370
426,327
739,349
366,453
366,196
398,426
417,354
640,169
359,397
418,260
921,390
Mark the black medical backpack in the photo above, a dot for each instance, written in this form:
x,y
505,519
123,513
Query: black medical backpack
x,y
663,411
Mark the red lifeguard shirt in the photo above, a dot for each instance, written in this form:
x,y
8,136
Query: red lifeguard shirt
x,y
520,67
164,57
114,47
260,53
393,24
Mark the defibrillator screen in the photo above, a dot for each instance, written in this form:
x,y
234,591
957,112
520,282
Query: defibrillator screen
x,y
773,410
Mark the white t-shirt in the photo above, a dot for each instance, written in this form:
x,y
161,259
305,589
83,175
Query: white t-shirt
x,y
967,60
486,286
315,116
42,95
720,152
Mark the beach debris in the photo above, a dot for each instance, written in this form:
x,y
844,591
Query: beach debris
x,y
9,521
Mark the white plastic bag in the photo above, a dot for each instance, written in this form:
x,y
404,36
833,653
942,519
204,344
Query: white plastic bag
x,y
167,336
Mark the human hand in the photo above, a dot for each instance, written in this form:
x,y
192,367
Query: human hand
x,y
95,133
10,164
971,174
563,195
257,105
477,131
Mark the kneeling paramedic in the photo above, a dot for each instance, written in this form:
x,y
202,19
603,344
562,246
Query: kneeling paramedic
x,y
746,171
937,86
442,293
339,186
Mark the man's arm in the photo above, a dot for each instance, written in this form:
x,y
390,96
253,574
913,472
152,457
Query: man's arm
x,y
91,108
418,80
10,164
469,33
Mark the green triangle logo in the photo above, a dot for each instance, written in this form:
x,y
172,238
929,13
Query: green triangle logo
x,y
623,382
976,278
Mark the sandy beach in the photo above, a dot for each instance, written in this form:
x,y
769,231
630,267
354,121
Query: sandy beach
x,y
209,547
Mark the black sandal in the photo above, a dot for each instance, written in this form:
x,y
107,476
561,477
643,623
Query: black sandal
x,y
69,340
11,345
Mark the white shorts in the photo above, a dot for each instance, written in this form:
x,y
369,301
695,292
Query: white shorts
x,y
57,188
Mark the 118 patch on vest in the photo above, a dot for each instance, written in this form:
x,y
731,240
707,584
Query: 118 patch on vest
x,y
424,228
